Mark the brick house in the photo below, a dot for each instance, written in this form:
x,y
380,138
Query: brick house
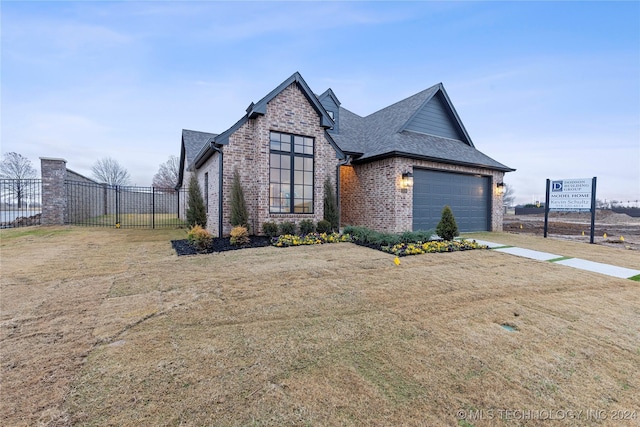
x,y
394,169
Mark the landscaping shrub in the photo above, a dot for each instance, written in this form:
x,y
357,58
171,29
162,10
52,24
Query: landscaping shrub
x,y
288,227
447,228
196,213
239,236
239,213
330,205
199,237
324,226
270,229
358,232
385,239
307,226
372,237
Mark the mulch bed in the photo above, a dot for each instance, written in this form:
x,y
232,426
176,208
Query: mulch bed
x,y
219,244
377,247
222,244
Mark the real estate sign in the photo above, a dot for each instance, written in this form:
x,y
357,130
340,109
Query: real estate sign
x,y
570,195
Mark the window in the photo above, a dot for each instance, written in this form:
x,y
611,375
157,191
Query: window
x,y
290,174
206,191
330,113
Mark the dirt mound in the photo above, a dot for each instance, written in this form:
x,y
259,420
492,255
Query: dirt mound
x,y
602,216
621,230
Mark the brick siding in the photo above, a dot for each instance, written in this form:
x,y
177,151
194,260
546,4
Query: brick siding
x,y
371,195
248,152
54,195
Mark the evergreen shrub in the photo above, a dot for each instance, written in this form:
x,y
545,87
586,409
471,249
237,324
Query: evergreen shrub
x,y
447,228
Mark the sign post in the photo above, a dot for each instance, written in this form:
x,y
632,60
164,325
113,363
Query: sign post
x,y
593,208
546,210
571,195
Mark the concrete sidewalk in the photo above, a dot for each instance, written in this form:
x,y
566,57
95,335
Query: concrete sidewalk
x,y
597,267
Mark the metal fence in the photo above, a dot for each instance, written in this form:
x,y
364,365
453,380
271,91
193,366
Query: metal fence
x,y
102,205
20,202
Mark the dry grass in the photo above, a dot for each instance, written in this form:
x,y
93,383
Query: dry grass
x,y
109,327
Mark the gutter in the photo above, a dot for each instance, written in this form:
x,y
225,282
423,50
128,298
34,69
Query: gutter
x,y
220,175
432,159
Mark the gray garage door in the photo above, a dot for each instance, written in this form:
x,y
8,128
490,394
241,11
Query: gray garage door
x,y
468,196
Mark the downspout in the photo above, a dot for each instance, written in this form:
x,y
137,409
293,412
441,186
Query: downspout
x,y
342,162
220,175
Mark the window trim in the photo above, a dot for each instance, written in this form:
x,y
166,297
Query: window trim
x,y
292,155
206,192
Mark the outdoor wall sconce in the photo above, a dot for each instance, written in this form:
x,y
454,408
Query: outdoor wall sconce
x,y
500,188
406,181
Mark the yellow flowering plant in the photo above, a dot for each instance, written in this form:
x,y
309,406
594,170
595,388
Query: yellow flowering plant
x,y
404,249
310,239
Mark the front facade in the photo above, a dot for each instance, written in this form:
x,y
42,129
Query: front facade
x,y
291,141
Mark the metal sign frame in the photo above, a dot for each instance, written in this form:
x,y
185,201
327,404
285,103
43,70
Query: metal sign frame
x,y
547,208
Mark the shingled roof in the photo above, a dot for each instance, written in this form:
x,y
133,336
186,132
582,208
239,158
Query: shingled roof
x,y
192,143
384,134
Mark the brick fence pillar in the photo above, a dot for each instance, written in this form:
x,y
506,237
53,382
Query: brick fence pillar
x,y
54,195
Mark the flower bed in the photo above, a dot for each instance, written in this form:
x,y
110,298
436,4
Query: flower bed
x,y
218,244
309,239
183,247
404,249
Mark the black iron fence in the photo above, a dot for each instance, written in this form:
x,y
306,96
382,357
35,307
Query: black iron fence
x,y
20,202
102,205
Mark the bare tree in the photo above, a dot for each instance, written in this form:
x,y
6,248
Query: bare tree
x,y
110,171
18,170
509,195
167,176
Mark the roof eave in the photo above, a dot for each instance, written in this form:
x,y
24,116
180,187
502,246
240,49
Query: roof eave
x,y
260,108
183,155
339,153
432,159
206,152
329,92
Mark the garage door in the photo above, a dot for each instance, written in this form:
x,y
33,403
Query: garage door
x,y
468,196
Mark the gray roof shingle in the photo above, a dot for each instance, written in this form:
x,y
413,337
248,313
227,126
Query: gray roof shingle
x,y
193,142
378,135
351,136
382,134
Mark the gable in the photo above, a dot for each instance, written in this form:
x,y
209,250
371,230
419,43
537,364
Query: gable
x,y
260,108
434,118
192,142
332,105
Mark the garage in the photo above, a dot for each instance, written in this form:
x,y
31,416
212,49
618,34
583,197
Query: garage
x,y
469,197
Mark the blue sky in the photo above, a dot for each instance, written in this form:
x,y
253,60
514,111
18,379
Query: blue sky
x,y
551,89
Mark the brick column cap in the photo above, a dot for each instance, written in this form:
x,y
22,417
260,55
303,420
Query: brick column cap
x,y
54,159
